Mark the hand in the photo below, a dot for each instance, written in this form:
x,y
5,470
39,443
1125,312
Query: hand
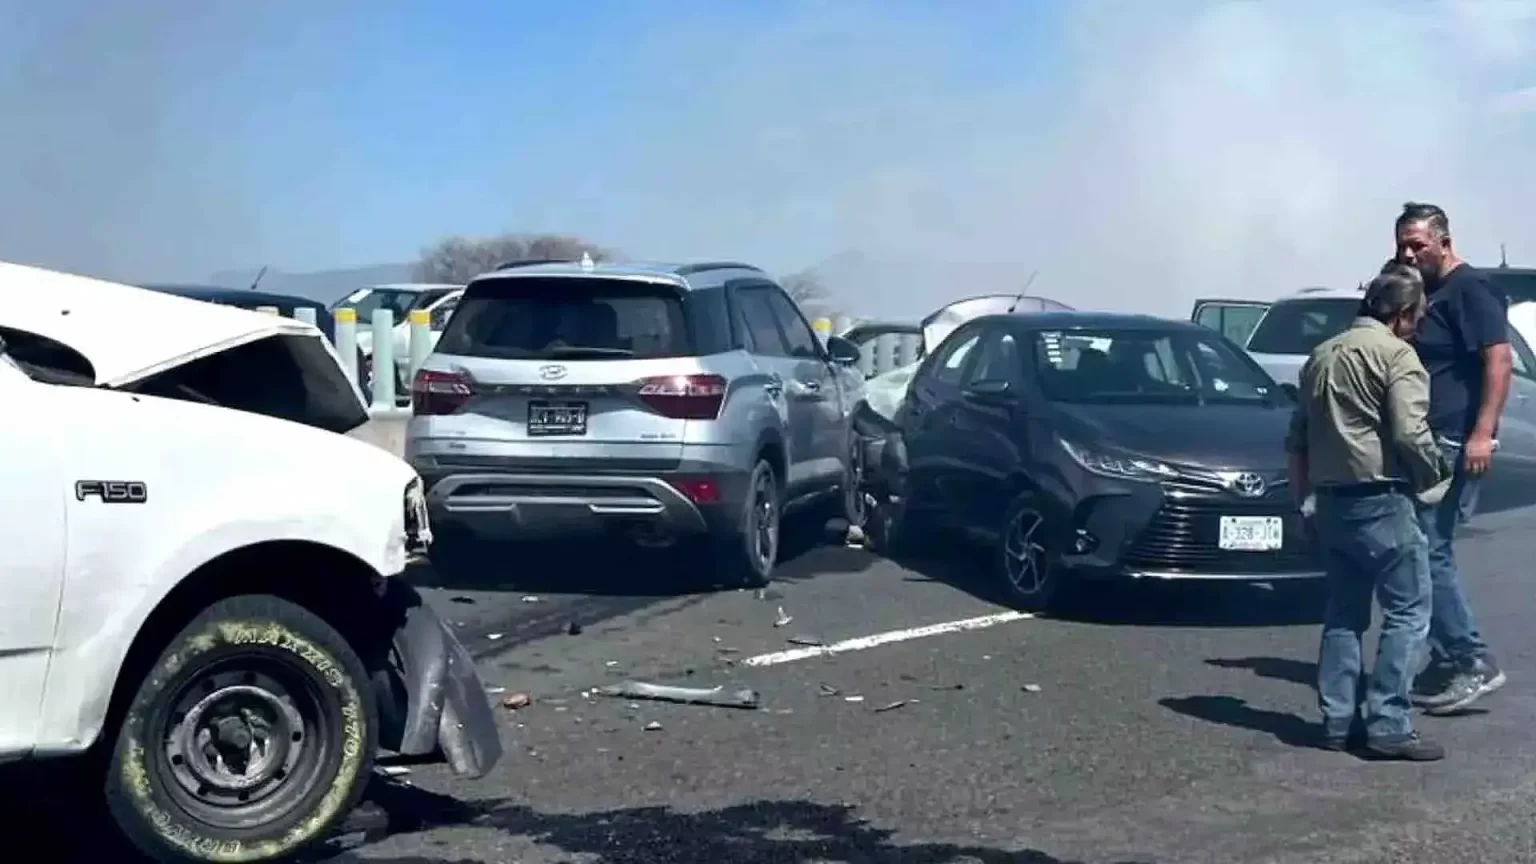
x,y
1477,453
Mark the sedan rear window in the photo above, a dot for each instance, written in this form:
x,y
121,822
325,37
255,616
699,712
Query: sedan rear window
x,y
1298,326
544,318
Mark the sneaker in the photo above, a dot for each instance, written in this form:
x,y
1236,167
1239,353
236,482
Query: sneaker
x,y
1411,749
1432,683
1466,688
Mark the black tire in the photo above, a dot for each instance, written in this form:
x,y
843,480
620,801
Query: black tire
x,y
854,498
740,557
1026,566
296,684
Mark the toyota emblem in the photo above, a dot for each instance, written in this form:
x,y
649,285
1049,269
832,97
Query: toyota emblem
x,y
552,372
1248,485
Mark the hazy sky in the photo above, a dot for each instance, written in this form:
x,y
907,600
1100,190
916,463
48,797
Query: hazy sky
x,y
1137,154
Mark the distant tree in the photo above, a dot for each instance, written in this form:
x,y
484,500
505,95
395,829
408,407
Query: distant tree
x,y
456,260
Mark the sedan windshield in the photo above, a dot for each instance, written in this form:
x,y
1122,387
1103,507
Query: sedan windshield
x,y
1148,366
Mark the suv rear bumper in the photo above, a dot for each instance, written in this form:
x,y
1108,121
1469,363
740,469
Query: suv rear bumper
x,y
523,505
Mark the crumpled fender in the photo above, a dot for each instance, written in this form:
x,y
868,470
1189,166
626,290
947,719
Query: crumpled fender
x,y
431,700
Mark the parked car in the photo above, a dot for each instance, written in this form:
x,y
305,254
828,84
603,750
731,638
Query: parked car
x,y
1291,327
661,403
191,592
401,301
1083,445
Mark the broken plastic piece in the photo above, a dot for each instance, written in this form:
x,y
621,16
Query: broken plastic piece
x,y
718,696
783,620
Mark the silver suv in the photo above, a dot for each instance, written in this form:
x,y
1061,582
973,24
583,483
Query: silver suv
x,y
660,403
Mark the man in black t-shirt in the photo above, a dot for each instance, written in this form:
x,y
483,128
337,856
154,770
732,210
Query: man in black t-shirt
x,y
1463,342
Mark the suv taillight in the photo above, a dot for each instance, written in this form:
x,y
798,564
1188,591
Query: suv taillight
x,y
439,392
684,397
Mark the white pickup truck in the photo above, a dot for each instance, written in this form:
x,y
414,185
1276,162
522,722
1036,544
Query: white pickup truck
x,y
199,598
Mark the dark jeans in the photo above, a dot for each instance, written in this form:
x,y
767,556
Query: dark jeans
x,y
1372,545
1453,636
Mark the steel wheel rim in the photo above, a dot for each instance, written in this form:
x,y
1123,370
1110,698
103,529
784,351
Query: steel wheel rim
x,y
765,521
1024,557
241,743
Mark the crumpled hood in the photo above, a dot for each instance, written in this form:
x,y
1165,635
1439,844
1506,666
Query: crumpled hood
x,y
179,348
127,333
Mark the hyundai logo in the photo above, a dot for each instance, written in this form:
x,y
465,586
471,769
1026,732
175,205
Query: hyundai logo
x,y
552,372
1249,485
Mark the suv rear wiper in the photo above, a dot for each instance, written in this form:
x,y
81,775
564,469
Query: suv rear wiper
x,y
579,351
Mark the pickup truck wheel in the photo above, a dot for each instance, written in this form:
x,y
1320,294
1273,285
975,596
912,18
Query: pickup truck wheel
x,y
251,737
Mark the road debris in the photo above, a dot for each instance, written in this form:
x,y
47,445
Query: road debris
x,y
1031,688
653,726
804,640
468,601
530,598
574,628
718,696
947,687
611,663
495,690
761,594
515,701
892,706
853,698
494,636
394,770
783,620
828,690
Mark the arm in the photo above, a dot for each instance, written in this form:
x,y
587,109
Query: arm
x,y
1296,449
1486,328
1408,419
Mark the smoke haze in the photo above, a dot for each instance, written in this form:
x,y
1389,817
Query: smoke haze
x,y
1138,155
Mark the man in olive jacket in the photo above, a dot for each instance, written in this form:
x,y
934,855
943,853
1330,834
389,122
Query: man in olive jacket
x,y
1360,441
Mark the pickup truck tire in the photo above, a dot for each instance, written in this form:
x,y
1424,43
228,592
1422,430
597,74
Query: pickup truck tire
x,y
251,737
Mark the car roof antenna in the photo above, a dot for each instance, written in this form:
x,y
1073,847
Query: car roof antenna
x,y
1023,291
257,281
1503,260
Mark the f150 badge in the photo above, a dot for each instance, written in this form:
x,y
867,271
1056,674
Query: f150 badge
x,y
112,491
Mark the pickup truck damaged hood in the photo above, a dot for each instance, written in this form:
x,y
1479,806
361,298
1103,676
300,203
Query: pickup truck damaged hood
x,y
159,344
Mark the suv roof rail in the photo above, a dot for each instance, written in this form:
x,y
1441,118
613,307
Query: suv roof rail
x,y
532,262
704,266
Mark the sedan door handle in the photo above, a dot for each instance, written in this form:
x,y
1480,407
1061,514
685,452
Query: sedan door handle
x,y
775,385
804,389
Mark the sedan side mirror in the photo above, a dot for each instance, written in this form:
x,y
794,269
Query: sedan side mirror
x,y
1292,391
990,392
842,351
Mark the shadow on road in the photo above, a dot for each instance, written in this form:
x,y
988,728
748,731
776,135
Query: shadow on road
x,y
1275,668
1232,711
613,568
1193,604
765,832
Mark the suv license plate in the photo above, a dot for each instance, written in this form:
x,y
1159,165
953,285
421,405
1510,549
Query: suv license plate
x,y
557,418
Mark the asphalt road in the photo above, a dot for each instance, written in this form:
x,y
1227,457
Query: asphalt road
x,y
1171,726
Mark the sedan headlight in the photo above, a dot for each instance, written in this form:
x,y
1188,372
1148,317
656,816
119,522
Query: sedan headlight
x,y
418,528
1121,466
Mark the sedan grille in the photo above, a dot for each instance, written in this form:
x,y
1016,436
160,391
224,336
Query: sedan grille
x,y
1185,535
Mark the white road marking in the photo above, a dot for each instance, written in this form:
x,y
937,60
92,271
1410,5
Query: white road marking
x,y
862,642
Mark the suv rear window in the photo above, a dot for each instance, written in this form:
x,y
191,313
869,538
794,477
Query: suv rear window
x,y
1298,326
534,318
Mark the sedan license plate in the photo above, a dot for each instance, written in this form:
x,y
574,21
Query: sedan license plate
x,y
1252,533
557,418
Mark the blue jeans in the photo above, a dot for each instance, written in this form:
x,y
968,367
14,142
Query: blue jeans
x,y
1372,545
1453,636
